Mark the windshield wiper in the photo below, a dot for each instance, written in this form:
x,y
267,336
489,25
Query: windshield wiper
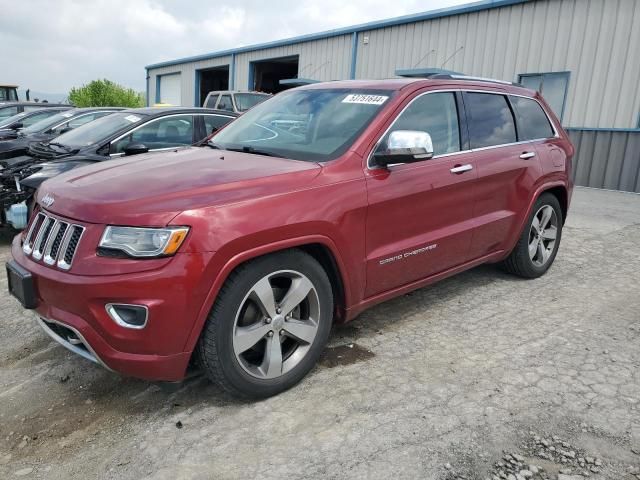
x,y
255,151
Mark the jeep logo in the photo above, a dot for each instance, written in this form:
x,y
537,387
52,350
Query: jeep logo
x,y
47,200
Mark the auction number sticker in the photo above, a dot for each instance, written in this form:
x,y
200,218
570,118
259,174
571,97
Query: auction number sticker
x,y
132,118
67,114
365,99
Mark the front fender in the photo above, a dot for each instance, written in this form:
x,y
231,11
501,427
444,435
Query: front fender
x,y
222,266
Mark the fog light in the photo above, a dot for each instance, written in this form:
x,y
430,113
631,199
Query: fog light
x,y
128,316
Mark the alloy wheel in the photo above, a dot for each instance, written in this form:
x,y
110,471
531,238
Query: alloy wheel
x,y
542,236
276,324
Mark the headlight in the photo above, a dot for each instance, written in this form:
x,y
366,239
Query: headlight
x,y
144,242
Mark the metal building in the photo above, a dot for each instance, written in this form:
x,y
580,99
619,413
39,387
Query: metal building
x,y
583,55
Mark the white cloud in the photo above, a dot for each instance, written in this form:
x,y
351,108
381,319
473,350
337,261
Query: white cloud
x,y
51,47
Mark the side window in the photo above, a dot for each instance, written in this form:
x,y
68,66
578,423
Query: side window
x,y
532,121
552,85
490,120
436,114
27,122
214,122
8,112
211,101
225,103
165,132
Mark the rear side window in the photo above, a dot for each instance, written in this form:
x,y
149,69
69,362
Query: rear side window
x,y
212,123
490,120
211,101
225,103
533,123
436,114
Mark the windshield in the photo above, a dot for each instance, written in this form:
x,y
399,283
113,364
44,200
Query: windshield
x,y
314,125
244,101
98,130
9,120
48,122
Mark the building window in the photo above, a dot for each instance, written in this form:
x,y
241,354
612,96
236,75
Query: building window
x,y
552,85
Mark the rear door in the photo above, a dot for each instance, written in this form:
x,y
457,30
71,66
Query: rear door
x,y
507,170
419,218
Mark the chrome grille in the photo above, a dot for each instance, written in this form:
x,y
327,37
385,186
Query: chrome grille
x,y
53,240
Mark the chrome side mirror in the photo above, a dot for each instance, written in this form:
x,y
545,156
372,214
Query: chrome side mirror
x,y
404,146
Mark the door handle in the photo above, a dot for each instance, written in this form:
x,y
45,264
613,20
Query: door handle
x,y
527,155
461,168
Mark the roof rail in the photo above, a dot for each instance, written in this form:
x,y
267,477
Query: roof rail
x,y
469,77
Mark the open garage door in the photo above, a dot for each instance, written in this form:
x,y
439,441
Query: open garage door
x,y
212,79
170,90
268,73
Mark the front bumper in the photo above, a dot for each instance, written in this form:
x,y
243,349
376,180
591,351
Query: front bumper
x,y
71,309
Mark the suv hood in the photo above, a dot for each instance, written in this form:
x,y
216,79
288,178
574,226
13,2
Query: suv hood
x,y
151,189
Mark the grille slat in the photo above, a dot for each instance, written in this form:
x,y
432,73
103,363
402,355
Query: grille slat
x,y
53,240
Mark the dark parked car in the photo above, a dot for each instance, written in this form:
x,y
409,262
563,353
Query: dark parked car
x,y
128,132
9,109
242,257
10,126
49,128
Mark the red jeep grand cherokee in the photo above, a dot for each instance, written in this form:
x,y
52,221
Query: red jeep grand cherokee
x,y
314,205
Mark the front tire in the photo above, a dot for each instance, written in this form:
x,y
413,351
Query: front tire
x,y
268,326
538,245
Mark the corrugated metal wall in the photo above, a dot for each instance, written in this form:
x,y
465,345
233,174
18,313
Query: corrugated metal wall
x,y
187,77
326,59
606,159
596,40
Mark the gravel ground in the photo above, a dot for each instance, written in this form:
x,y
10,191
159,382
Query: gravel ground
x,y
480,376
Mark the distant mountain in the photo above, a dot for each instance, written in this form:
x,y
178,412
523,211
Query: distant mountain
x,y
50,97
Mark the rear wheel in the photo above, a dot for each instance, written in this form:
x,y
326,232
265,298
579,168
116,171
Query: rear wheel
x,y
538,245
268,325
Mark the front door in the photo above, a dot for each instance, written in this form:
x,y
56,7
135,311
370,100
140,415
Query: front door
x,y
420,215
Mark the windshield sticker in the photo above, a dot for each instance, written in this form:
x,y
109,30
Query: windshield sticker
x,y
365,99
132,118
67,114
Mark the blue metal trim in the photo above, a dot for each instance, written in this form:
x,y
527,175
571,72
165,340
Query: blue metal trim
x,y
354,55
416,17
232,72
146,95
563,73
196,99
599,129
158,88
250,81
158,83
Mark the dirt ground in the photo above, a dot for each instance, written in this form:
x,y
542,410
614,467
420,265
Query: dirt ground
x,y
480,376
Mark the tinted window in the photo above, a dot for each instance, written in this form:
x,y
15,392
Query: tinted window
x,y
553,87
211,101
8,112
100,130
225,103
213,123
490,120
532,121
36,117
165,132
436,114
